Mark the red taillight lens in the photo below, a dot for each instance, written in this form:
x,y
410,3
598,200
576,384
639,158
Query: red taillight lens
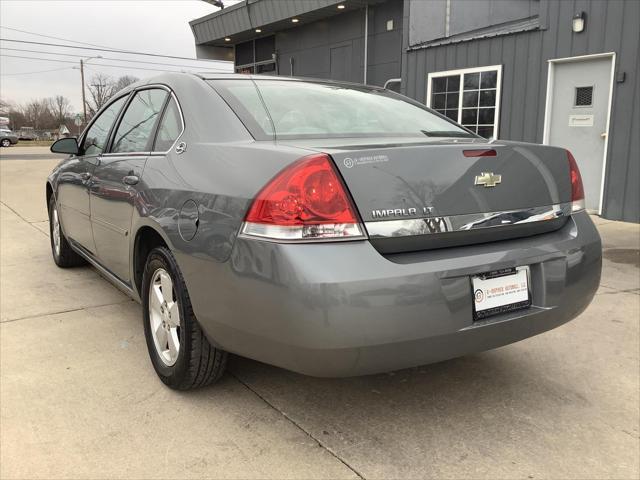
x,y
306,200
577,189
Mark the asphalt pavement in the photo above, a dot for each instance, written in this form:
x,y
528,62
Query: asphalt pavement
x,y
27,153
79,397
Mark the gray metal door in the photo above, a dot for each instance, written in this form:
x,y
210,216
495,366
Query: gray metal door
x,y
113,191
73,200
114,187
578,121
341,63
76,176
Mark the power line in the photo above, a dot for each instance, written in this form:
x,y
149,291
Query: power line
x,y
54,38
105,58
130,52
93,66
101,64
38,71
39,58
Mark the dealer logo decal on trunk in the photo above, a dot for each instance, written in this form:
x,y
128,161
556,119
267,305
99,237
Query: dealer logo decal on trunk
x,y
351,162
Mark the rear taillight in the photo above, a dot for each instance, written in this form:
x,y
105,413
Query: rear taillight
x,y
305,201
577,189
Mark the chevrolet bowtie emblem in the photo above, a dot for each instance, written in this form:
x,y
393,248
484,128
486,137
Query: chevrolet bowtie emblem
x,y
488,179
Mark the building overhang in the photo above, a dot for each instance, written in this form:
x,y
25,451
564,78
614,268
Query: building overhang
x,y
238,23
508,28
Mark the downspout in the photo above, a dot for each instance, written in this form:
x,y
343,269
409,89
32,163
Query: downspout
x,y
447,18
366,41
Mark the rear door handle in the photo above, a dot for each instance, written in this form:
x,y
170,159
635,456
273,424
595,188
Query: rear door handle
x,y
131,180
85,176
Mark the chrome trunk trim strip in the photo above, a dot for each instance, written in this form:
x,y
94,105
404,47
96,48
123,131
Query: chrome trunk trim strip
x,y
471,221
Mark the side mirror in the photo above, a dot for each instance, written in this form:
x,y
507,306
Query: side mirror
x,y
65,145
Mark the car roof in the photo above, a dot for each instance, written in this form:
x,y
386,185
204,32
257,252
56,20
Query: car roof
x,y
244,76
180,77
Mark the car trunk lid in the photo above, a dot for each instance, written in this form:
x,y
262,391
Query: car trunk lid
x,y
445,192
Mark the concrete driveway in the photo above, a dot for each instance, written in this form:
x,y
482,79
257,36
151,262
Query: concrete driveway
x,y
79,397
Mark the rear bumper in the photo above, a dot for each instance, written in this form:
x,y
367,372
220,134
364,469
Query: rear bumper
x,y
344,309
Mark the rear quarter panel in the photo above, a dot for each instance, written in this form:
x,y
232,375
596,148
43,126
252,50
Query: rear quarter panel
x,y
221,170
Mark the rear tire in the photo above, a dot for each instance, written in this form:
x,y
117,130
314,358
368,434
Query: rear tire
x,y
180,353
5,142
63,254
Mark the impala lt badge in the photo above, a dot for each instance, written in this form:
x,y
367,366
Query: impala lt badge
x,y
400,212
488,179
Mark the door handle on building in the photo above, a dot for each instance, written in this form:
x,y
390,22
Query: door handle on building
x,y
604,134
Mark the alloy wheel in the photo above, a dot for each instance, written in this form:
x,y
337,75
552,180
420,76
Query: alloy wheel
x,y
55,231
164,316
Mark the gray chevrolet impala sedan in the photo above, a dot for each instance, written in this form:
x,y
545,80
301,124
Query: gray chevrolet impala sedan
x,y
328,228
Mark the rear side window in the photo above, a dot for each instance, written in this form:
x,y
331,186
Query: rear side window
x,y
96,138
243,97
170,127
136,126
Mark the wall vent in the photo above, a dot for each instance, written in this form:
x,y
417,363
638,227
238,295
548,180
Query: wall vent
x,y
584,96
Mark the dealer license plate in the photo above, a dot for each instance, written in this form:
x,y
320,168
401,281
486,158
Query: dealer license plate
x,y
500,291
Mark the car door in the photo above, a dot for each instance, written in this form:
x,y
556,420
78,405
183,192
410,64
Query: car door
x,y
75,177
116,178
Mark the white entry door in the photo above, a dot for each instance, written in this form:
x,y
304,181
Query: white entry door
x,y
577,118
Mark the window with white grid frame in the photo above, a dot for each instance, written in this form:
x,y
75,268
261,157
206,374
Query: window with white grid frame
x,y
471,97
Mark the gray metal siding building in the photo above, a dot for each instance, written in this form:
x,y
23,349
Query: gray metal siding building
x,y
334,48
563,72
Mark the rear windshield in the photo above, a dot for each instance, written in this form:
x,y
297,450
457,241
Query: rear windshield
x,y
291,109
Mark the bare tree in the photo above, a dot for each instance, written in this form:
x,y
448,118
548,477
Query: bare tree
x,y
123,82
37,113
9,109
60,108
5,105
16,119
101,89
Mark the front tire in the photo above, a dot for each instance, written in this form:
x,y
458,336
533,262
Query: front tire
x,y
63,254
180,353
5,142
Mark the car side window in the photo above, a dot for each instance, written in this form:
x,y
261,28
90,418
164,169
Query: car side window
x,y
170,127
96,138
135,129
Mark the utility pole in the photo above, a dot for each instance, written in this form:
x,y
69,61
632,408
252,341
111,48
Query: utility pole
x,y
84,103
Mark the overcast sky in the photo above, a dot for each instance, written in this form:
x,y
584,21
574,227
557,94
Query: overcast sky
x,y
154,26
